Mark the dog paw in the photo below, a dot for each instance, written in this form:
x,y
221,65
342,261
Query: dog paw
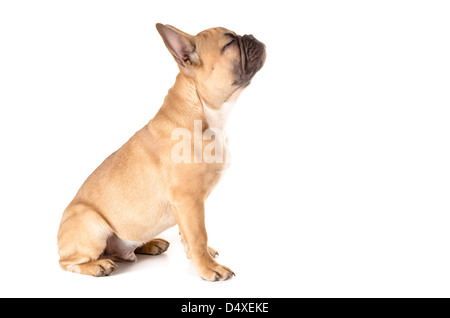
x,y
106,267
98,268
216,272
154,247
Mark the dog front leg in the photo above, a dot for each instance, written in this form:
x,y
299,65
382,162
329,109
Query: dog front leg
x,y
190,217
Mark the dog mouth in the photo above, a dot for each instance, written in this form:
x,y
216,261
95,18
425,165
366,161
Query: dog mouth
x,y
252,59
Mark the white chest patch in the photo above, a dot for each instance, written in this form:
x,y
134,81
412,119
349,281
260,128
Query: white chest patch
x,y
217,119
217,151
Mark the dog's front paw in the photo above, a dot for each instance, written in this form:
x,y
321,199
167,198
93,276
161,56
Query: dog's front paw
x,y
214,272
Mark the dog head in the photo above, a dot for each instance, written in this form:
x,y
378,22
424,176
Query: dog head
x,y
219,61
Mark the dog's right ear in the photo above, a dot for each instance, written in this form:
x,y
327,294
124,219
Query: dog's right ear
x,y
181,45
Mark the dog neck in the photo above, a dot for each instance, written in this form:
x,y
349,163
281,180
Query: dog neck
x,y
184,104
217,118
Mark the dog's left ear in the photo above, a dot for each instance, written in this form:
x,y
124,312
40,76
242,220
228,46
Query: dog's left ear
x,y
181,45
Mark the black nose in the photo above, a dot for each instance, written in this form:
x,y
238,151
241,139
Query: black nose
x,y
249,37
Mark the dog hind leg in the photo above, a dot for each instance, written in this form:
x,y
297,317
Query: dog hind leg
x,y
82,239
154,247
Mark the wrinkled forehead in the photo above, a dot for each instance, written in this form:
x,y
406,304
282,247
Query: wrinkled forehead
x,y
212,33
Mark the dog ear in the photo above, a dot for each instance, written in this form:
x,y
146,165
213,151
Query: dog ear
x,y
181,45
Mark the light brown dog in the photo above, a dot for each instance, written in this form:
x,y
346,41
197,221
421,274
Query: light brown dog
x,y
155,181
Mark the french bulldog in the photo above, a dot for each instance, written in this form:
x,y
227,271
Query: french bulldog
x,y
164,173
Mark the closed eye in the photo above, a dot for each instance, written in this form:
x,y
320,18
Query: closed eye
x,y
228,45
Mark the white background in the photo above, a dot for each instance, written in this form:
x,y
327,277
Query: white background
x,y
340,180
